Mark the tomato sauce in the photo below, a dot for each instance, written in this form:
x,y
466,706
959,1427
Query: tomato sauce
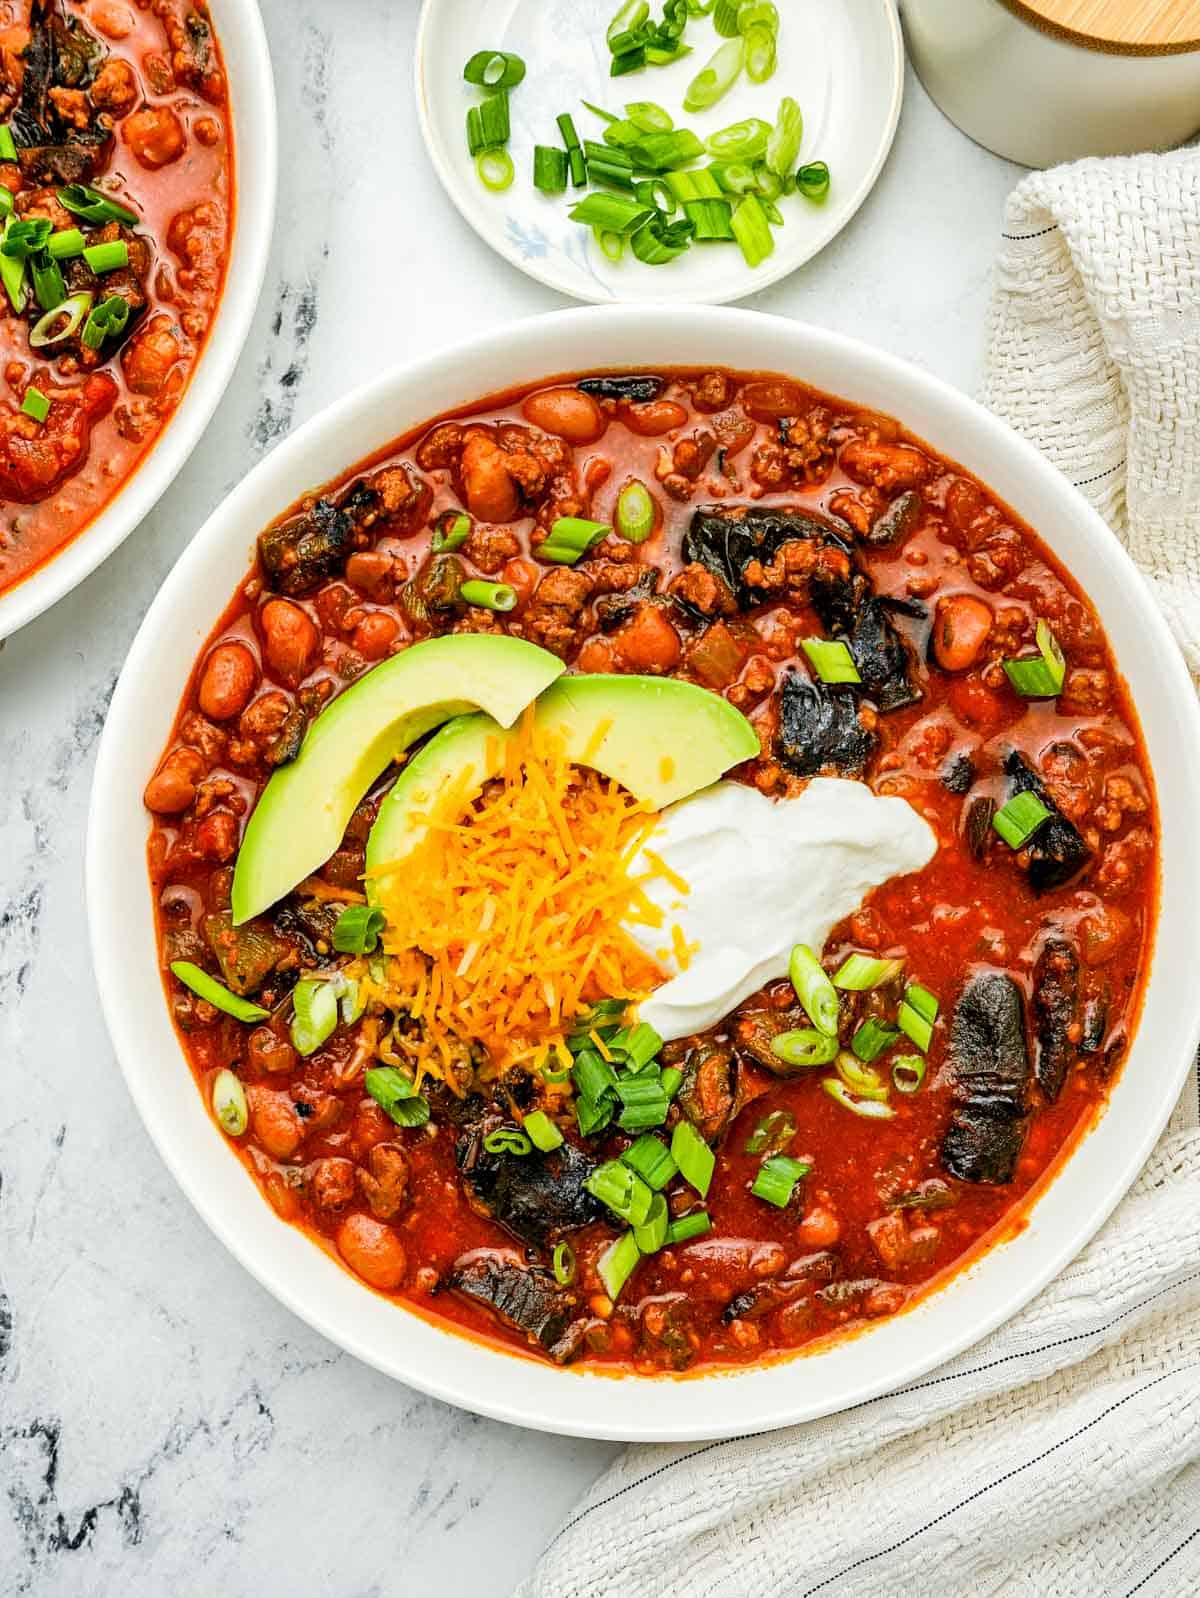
x,y
882,1216
132,101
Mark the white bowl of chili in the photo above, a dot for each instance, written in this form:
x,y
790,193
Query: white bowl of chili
x,y
137,447
1058,1215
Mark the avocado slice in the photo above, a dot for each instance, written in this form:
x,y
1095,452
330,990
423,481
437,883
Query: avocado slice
x,y
660,738
301,817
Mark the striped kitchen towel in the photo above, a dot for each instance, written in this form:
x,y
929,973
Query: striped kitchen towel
x,y
1060,1457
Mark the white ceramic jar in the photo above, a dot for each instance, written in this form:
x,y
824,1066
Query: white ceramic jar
x,y
1040,96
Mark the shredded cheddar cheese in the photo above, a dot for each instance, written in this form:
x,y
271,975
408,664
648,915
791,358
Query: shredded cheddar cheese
x,y
506,920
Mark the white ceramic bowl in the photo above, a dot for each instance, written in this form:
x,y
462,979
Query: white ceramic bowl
x,y
252,102
306,1279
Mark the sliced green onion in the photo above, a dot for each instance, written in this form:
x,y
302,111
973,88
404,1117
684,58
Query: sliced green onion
x,y
741,141
357,929
229,1103
622,1191
783,147
915,1027
570,538
109,257
814,989
908,1072
671,1080
575,156
628,61
476,142
1042,676
869,1109
831,659
772,213
6,201
608,154
804,1047
351,1001
451,531
593,1115
638,1044
8,149
725,18
666,152
562,1262
610,211
618,1263
812,181
861,973
873,1037
629,19
109,318
859,1078
24,237
612,245
216,993
610,174
689,1226
495,170
49,288
651,1158
716,79
655,194
592,1075
648,117
923,1002
93,206
760,54
508,1140
766,184
396,1096
316,1014
549,168
12,271
1020,818
711,220
752,231
494,120
35,404
777,1178
696,1161
656,242
494,69
642,1092
652,1233
599,111
733,177
772,1134
757,14
637,512
687,186
656,56
488,596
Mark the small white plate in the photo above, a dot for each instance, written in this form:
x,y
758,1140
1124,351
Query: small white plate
x,y
842,60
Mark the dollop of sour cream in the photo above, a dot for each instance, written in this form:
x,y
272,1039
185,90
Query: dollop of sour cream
x,y
763,875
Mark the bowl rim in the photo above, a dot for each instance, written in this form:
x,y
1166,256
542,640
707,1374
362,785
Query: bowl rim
x,y
473,1374
760,280
247,58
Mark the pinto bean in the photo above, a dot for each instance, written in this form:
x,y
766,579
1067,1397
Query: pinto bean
x,y
566,413
113,20
155,136
960,630
331,1183
229,679
523,576
291,640
375,634
276,1125
654,418
772,399
173,787
819,1228
490,492
373,573
372,1250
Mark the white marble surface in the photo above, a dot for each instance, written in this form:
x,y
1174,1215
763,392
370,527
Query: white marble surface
x,y
165,1426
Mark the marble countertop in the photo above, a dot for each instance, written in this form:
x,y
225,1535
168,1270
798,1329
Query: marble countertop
x,y
165,1425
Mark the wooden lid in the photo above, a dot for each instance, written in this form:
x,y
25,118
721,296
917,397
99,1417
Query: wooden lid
x,y
1123,27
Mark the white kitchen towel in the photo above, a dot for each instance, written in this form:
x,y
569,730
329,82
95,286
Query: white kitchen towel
x,y
1060,1457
